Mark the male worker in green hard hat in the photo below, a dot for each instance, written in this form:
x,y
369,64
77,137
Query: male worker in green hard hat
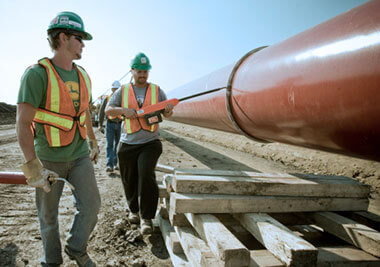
x,y
139,147
54,96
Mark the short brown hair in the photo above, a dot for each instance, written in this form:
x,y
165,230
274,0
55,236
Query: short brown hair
x,y
53,37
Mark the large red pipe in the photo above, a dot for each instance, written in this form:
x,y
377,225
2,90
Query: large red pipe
x,y
319,89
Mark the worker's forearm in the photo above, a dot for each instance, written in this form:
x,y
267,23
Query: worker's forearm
x,y
101,113
114,111
101,120
26,140
90,130
25,115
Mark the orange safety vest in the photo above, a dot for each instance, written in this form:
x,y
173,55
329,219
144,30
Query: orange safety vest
x,y
59,116
128,100
113,117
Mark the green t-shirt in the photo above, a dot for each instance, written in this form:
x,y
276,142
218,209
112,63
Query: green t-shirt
x,y
33,90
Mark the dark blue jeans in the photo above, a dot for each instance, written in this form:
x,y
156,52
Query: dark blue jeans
x,y
113,136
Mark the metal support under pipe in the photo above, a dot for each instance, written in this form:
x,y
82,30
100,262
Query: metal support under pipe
x,y
318,89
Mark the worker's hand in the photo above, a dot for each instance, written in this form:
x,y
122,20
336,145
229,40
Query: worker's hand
x,y
168,110
129,113
94,150
38,176
101,129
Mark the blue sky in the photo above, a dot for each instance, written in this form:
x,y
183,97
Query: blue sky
x,y
184,40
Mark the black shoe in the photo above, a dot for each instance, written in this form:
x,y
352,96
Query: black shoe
x,y
82,259
109,169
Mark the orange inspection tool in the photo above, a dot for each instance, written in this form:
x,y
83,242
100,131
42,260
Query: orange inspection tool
x,y
159,107
19,178
152,113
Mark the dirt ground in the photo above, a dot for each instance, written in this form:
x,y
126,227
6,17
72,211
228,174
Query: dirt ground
x,y
117,243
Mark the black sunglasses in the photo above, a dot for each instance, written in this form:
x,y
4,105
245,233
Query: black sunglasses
x,y
78,37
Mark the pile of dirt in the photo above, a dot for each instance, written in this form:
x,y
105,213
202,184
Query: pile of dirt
x,y
7,114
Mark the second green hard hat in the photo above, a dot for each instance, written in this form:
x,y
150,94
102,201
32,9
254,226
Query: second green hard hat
x,y
71,21
141,62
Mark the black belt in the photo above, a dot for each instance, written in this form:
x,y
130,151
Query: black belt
x,y
114,121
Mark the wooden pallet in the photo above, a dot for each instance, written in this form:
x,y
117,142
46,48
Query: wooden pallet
x,y
226,218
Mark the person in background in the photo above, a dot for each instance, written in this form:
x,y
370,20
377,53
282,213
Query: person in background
x,y
140,146
54,97
113,128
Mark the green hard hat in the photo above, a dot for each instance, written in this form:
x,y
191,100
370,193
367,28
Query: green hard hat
x,y
141,62
71,21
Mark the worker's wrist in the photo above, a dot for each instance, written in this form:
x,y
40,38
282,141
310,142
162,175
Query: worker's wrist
x,y
32,168
93,142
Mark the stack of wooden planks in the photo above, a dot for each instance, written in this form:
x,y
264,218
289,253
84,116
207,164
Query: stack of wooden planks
x,y
238,218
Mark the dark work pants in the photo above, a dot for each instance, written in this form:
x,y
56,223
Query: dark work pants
x,y
137,164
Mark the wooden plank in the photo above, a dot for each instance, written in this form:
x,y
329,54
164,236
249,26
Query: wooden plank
x,y
196,250
269,185
315,235
263,258
175,244
221,241
345,256
164,168
178,260
245,237
350,231
206,203
364,217
178,220
163,212
224,173
162,192
174,218
208,172
279,240
327,256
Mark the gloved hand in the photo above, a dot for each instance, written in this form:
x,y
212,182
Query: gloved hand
x,y
94,150
38,176
168,110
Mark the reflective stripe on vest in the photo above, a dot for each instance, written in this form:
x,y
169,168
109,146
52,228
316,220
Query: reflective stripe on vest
x,y
129,101
154,100
124,103
86,80
59,116
62,122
